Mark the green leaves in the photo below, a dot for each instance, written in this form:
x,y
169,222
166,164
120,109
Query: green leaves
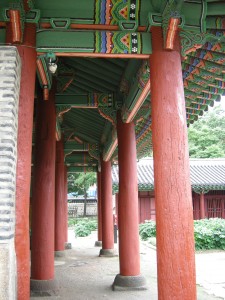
x,y
85,226
207,135
80,182
208,233
147,230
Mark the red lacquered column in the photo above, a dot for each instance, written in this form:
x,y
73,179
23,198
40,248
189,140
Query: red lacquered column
x,y
129,252
174,212
107,210
28,55
67,244
43,200
99,241
59,200
202,206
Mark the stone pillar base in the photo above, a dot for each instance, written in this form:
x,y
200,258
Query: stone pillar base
x,y
125,283
68,246
59,253
41,288
107,252
98,244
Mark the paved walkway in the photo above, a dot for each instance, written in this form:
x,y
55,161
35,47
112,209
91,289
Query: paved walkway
x,y
82,275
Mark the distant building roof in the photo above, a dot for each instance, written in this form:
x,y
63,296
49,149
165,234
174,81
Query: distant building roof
x,y
206,174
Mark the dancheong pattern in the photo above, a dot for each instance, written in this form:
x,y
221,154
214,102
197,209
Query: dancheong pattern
x,y
110,12
117,42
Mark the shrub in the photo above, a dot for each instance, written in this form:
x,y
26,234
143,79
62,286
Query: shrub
x,y
147,230
85,226
209,234
71,222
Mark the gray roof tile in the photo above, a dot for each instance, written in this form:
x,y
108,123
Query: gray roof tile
x,y
206,174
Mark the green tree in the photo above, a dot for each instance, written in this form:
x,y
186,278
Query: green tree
x,y
207,135
79,183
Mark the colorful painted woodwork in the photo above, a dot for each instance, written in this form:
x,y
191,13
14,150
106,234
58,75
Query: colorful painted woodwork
x,y
102,49
91,90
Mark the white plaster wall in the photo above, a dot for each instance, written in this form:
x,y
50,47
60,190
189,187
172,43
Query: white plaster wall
x,y
10,74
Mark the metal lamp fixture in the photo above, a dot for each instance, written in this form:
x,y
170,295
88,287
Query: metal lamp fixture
x,y
52,63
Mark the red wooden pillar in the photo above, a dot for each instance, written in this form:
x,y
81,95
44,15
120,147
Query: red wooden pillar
x,y
174,214
43,200
202,206
129,252
25,125
59,200
67,244
107,210
98,243
223,207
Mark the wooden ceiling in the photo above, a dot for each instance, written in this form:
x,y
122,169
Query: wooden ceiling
x,y
102,51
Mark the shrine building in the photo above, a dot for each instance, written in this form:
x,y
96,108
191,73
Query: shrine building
x,y
207,184
87,84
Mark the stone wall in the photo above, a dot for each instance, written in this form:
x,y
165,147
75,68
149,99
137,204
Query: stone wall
x,y
10,69
77,209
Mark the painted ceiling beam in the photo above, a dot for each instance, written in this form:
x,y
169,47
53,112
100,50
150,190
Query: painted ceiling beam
x,y
211,56
203,82
136,93
73,146
106,131
198,107
89,100
205,64
98,85
104,76
81,85
109,67
82,158
189,71
205,88
90,67
95,42
82,137
80,169
129,73
110,146
143,130
199,101
138,103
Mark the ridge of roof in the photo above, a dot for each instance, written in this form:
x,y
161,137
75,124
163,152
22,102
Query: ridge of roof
x,y
205,174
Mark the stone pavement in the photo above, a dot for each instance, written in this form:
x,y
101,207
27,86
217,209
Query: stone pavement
x,y
82,275
210,271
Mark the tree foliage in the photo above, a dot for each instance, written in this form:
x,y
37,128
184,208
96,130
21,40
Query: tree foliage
x,y
207,135
79,183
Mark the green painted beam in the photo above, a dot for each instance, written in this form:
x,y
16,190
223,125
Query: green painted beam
x,y
85,138
74,145
77,147
81,158
216,9
106,77
90,66
138,90
110,146
77,100
93,42
80,169
82,86
2,36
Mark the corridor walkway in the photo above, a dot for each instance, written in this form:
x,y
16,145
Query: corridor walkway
x,y
82,275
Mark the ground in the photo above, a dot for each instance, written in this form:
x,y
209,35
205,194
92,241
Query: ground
x,y
82,275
